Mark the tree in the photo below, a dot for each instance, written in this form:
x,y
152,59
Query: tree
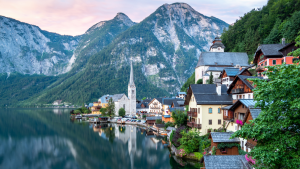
x,y
143,98
211,79
190,80
180,118
177,135
103,111
190,140
111,107
158,121
122,112
200,81
296,53
277,128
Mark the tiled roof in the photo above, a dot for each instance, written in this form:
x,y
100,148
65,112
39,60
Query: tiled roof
x,y
105,98
176,108
223,59
160,125
270,49
180,103
226,108
207,94
171,128
247,102
218,137
169,101
154,117
231,71
225,161
178,93
244,79
218,69
254,112
218,44
117,97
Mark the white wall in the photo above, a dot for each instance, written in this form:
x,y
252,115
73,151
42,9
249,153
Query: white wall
x,y
219,49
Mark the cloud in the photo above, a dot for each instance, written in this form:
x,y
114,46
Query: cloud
x,y
74,17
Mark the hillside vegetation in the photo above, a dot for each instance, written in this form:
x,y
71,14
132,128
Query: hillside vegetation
x,y
266,25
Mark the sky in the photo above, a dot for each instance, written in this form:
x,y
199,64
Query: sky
x,y
74,17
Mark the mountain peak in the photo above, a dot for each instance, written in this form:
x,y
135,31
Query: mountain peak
x,y
124,18
178,5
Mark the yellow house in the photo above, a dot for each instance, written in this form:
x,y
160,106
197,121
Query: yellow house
x,y
205,102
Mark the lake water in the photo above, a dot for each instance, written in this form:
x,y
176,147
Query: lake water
x,y
47,138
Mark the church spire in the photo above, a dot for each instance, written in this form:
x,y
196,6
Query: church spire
x,y
131,81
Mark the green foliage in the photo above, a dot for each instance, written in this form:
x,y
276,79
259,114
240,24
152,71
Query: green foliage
x,y
204,143
143,98
180,118
144,116
103,111
198,155
242,152
200,81
191,80
278,121
277,19
190,141
169,124
211,79
213,150
297,51
122,112
172,136
228,145
77,111
158,121
111,107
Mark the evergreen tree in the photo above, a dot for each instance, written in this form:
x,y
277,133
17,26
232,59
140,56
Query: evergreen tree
x,y
122,112
211,79
111,107
200,81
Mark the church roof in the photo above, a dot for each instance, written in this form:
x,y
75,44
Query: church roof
x,y
117,97
223,59
131,81
217,44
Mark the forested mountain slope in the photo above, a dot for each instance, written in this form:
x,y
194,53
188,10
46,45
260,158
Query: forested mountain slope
x,y
266,25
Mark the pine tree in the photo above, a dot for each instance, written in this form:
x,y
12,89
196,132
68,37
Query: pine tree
x,y
211,79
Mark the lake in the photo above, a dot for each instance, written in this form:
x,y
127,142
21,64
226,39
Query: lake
x,y
47,138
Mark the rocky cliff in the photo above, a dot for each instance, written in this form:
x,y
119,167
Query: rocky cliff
x,y
27,49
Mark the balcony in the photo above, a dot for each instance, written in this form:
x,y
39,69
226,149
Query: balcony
x,y
192,114
190,124
194,125
260,69
239,90
198,126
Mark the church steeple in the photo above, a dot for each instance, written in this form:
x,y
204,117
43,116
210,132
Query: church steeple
x,y
131,81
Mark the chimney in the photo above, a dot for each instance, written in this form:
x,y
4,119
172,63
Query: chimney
x,y
219,90
283,41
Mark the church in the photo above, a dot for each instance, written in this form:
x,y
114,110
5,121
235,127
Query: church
x,y
121,100
216,60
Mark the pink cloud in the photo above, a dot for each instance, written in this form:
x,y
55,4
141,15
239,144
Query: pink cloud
x,y
74,17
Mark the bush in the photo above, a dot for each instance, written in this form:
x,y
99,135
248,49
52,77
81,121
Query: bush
x,y
200,81
198,155
172,136
190,141
77,111
122,112
169,124
158,121
103,111
144,116
214,150
180,118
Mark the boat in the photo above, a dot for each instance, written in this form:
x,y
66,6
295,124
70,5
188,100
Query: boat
x,y
78,117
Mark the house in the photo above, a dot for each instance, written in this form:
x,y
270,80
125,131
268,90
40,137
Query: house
x,y
224,138
155,106
120,100
151,119
273,54
251,114
241,87
181,95
238,111
228,74
216,60
205,102
57,102
225,162
143,106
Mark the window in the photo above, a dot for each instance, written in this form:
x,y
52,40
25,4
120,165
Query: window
x,y
241,116
249,96
282,61
132,91
265,63
234,115
198,110
219,110
274,62
226,112
210,122
124,106
219,121
210,110
243,96
243,106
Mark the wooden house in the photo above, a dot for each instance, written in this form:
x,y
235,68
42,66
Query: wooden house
x,y
224,138
273,54
151,120
155,106
241,87
251,114
228,74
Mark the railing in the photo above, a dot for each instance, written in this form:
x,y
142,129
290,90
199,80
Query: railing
x,y
228,118
198,126
192,114
240,90
260,68
190,124
225,80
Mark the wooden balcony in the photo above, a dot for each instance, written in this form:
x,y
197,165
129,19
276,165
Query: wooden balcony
x,y
198,126
239,90
192,114
190,124
260,69
194,125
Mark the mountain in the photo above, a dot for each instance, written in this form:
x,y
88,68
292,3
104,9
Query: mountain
x,y
267,25
27,49
164,49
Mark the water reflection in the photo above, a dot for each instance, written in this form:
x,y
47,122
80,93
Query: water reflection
x,y
47,138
